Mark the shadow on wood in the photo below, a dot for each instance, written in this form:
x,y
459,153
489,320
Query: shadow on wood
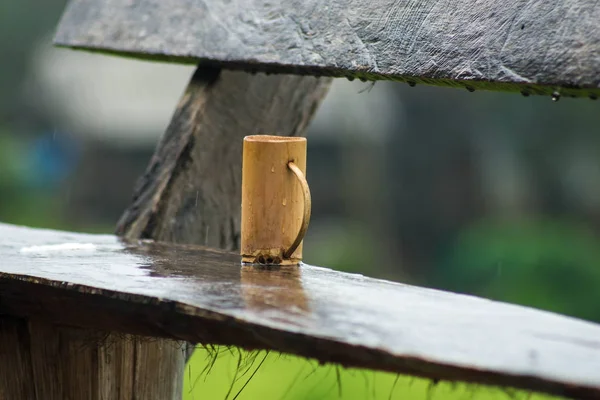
x,y
203,296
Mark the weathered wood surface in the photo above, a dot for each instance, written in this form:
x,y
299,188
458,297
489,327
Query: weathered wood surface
x,y
200,295
53,362
536,46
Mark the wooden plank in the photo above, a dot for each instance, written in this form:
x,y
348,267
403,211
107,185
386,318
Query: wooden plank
x,y
200,295
533,47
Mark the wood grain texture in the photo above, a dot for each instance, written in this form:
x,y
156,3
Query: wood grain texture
x,y
116,365
531,46
196,294
64,361
45,360
15,382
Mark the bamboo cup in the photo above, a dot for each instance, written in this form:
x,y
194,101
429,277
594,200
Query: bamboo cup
x,y
275,199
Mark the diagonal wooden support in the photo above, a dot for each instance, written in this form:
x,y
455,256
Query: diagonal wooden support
x,y
190,193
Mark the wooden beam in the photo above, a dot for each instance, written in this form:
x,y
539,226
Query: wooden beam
x,y
196,294
533,47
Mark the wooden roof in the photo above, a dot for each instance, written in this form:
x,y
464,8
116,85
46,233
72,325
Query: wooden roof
x,y
541,47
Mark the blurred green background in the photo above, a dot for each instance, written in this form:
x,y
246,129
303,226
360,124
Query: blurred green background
x,y
486,193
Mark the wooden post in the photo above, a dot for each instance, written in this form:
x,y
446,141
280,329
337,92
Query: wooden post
x,y
275,199
43,360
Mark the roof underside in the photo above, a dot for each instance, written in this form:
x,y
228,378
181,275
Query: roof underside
x,y
536,47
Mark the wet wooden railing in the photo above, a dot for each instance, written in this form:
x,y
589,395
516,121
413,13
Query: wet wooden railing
x,y
205,296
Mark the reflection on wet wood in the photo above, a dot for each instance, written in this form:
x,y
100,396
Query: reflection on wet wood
x,y
204,296
278,289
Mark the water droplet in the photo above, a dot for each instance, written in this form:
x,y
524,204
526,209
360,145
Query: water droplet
x,y
411,83
525,93
284,202
555,96
272,169
470,88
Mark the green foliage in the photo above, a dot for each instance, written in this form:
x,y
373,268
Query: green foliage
x,y
210,375
25,204
11,164
550,264
348,248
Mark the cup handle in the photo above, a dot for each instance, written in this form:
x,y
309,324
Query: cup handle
x,y
307,207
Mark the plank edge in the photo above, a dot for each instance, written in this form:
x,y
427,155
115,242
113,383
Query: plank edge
x,y
179,321
554,90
